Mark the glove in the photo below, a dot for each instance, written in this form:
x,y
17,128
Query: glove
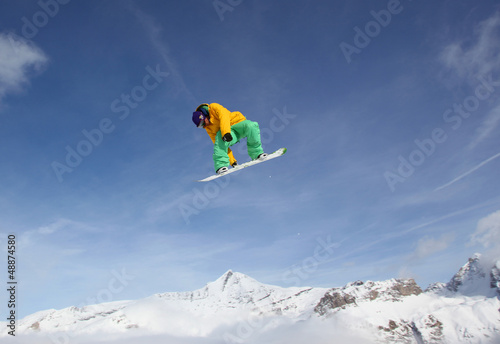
x,y
227,138
235,164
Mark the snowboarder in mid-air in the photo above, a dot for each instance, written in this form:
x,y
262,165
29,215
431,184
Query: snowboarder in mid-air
x,y
227,128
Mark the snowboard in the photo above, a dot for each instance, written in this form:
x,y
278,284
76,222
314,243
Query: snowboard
x,y
273,155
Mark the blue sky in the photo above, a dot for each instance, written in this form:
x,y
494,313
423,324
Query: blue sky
x,y
390,111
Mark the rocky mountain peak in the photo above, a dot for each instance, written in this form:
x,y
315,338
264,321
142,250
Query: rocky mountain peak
x,y
357,292
469,272
476,277
495,277
232,281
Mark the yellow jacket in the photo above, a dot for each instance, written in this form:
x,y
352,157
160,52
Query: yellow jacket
x,y
221,119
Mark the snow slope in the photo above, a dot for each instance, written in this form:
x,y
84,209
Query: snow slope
x,y
238,309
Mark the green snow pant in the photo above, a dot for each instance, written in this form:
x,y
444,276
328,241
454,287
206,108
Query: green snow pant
x,y
240,130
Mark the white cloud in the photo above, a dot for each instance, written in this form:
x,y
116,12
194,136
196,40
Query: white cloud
x,y
36,238
19,58
488,231
479,58
55,226
428,246
270,331
488,127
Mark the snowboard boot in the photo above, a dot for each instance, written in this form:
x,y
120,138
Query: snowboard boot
x,y
262,156
222,170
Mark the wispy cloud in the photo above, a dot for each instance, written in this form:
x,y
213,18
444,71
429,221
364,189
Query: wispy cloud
x,y
56,226
19,58
427,246
480,58
33,237
472,170
487,235
490,123
488,231
154,33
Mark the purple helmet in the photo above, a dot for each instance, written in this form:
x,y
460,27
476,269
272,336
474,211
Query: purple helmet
x,y
198,118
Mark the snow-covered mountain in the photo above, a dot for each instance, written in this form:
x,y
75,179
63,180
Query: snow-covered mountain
x,y
474,278
238,309
464,310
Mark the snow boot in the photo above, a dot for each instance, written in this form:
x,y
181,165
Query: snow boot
x,y
222,170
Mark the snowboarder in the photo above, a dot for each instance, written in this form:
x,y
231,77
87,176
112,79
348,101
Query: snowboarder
x,y
227,128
